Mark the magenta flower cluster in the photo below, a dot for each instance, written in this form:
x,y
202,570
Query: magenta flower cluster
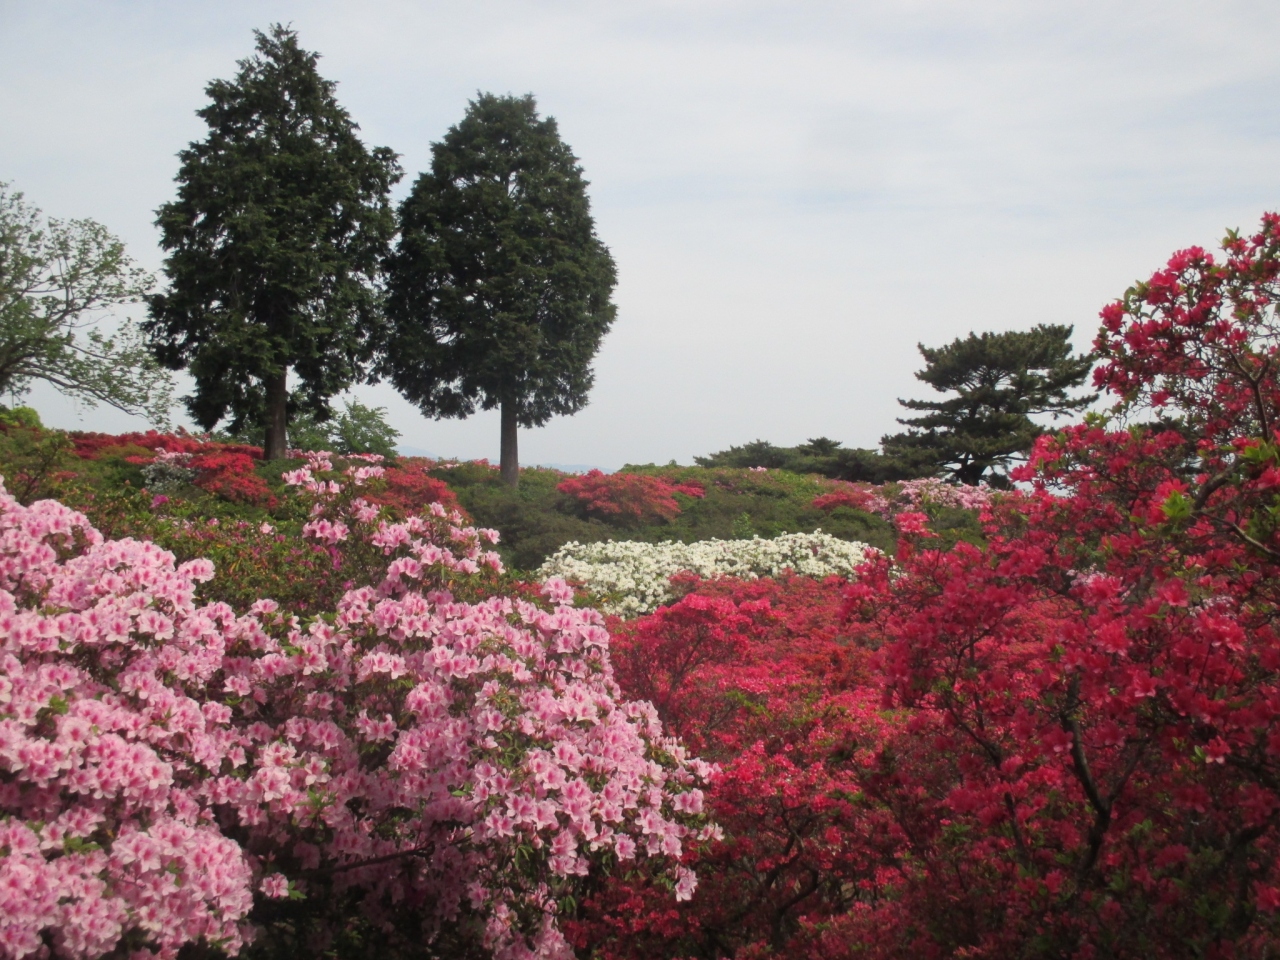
x,y
163,762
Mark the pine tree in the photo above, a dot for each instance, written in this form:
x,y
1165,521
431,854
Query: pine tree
x,y
499,289
275,243
1001,380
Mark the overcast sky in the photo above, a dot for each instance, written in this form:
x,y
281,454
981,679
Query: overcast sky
x,y
796,193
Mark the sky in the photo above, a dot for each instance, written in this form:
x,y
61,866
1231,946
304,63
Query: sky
x,y
796,193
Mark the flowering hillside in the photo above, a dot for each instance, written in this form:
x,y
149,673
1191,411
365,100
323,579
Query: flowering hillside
x,y
1059,742
1042,723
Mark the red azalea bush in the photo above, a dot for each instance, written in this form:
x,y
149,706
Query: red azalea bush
x,y
231,476
766,678
226,470
90,446
635,497
859,496
408,488
1059,743
408,769
1105,676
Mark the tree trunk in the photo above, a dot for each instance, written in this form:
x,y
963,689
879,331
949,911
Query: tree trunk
x,y
510,459
275,443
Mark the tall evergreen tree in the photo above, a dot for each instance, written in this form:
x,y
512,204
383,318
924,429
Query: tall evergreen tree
x,y
499,289
1001,380
275,242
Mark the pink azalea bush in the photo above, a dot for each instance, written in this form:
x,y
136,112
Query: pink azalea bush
x,y
890,499
409,766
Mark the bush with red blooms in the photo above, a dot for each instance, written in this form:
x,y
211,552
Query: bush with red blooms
x,y
231,476
1104,677
765,677
407,488
91,446
1062,742
226,470
628,497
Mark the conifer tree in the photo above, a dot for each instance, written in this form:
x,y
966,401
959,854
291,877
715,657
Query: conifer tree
x,y
499,289
1000,381
275,242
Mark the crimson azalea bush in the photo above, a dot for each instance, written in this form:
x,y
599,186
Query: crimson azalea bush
x,y
765,677
407,487
91,446
1060,742
223,469
231,476
1104,677
407,769
633,497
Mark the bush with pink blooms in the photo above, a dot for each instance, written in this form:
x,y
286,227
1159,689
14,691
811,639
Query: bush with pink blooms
x,y
408,773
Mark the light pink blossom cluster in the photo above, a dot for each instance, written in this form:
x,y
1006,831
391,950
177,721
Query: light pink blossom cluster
x,y
162,762
930,491
907,496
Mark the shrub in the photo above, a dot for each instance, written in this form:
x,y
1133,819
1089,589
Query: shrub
x,y
762,676
410,768
408,487
629,498
1101,682
230,475
39,463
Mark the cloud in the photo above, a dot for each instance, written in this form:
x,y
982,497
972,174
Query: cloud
x,y
796,192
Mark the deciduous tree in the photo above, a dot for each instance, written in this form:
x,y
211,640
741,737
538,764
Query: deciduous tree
x,y
58,283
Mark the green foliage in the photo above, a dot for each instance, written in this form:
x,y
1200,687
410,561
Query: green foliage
x,y
36,464
499,289
58,283
534,519
1000,381
27,417
357,429
275,243
820,455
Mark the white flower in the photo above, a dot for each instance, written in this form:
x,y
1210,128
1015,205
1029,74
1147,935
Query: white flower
x,y
635,576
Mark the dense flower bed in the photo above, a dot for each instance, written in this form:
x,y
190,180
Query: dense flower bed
x,y
767,677
408,765
635,577
169,460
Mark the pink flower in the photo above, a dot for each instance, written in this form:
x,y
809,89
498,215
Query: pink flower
x,y
378,722
275,885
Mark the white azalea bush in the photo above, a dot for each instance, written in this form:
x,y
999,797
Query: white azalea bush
x,y
634,577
